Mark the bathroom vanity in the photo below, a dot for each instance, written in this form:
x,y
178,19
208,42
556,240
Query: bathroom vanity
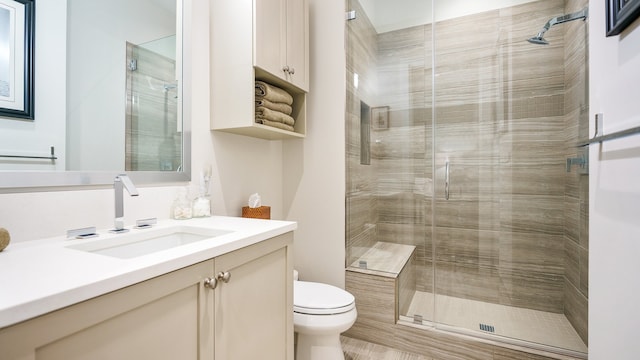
x,y
223,297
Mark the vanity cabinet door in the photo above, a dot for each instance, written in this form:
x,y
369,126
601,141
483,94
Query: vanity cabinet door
x,y
168,317
254,308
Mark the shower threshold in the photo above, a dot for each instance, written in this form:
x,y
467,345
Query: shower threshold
x,y
532,329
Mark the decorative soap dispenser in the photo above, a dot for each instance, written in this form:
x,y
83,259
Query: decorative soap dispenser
x,y
181,208
202,204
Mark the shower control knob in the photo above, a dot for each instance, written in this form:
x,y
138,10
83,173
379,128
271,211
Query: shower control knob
x,y
210,283
223,276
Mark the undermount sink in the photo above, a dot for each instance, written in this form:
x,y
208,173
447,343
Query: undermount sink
x,y
147,241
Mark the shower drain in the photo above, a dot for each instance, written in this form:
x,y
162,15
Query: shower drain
x,y
487,328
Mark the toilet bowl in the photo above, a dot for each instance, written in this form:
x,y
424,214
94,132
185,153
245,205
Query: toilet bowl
x,y
320,313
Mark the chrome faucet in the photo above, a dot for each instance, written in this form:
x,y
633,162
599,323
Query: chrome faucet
x,y
119,182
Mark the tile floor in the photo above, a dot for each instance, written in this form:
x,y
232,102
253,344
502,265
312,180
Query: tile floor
x,y
355,349
523,324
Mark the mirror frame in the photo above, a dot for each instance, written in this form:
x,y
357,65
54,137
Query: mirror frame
x,y
33,181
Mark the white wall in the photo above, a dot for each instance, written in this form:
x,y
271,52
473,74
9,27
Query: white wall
x,y
614,223
314,168
241,166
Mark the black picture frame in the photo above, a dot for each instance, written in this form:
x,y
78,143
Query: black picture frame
x,y
21,107
620,14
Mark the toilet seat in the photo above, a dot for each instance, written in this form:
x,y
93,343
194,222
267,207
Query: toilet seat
x,y
320,299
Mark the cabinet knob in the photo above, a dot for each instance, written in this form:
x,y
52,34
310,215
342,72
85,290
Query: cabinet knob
x,y
210,283
289,70
223,276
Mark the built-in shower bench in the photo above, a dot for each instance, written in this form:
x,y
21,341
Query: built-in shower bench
x,y
383,282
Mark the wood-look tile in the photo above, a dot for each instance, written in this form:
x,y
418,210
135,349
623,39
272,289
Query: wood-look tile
x,y
355,349
439,345
401,143
468,281
386,257
538,290
460,246
577,311
535,253
378,332
538,214
373,293
468,213
406,285
402,207
584,272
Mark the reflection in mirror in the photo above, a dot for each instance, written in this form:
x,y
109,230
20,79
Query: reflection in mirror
x,y
116,85
112,105
153,134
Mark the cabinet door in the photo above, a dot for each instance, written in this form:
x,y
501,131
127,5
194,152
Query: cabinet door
x,y
254,310
162,318
270,36
297,43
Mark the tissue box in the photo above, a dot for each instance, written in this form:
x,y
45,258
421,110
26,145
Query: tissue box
x,y
262,212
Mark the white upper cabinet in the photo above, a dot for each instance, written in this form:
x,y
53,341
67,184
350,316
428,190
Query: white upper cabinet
x,y
266,40
281,32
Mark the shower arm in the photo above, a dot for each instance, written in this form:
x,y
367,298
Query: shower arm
x,y
582,14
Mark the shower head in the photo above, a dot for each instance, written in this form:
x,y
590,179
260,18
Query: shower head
x,y
168,87
578,15
538,40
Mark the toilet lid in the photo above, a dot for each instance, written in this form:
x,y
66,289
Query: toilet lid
x,y
320,299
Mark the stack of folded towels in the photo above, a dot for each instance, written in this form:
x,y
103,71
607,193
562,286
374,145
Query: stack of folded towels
x,y
273,106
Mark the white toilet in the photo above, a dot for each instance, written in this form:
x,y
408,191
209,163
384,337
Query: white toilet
x,y
320,313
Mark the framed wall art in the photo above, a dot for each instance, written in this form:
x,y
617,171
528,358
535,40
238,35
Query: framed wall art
x,y
620,14
17,29
380,117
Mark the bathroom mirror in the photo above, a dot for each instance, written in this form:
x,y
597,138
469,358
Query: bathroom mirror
x,y
109,90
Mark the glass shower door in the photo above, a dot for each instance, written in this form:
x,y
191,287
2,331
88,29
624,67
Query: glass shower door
x,y
501,136
389,146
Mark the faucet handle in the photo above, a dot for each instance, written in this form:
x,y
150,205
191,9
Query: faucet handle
x,y
146,223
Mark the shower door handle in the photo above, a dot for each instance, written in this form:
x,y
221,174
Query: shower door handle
x,y
446,180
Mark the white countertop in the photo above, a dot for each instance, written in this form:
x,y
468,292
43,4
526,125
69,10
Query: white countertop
x,y
40,276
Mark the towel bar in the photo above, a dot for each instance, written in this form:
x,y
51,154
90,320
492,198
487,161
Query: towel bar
x,y
599,137
615,135
51,157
